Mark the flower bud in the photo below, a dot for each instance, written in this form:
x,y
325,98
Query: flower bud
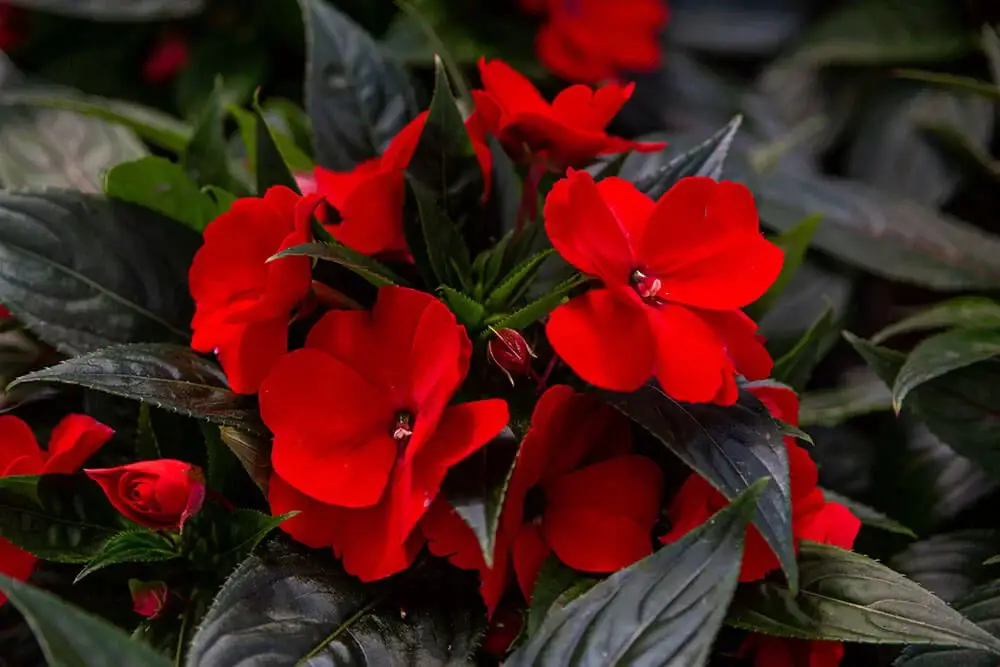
x,y
159,494
148,597
508,350
504,629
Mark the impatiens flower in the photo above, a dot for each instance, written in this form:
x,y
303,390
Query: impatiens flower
x,y
363,432
72,442
243,302
510,352
160,494
369,198
782,652
148,597
567,133
169,55
576,491
595,40
674,274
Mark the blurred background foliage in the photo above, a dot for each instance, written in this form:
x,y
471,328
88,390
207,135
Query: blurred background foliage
x,y
873,119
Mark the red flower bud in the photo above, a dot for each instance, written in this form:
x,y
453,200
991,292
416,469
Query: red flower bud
x,y
508,350
504,629
159,494
148,597
169,55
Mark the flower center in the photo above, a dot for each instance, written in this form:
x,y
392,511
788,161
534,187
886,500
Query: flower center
x,y
534,505
650,288
402,428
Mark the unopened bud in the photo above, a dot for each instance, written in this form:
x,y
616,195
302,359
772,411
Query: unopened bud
x,y
148,597
508,350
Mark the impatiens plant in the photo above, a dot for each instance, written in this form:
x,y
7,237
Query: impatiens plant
x,y
436,377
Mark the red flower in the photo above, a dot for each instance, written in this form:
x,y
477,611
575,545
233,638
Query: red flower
x,y
11,26
574,478
72,442
4,313
369,198
244,303
159,494
781,652
674,273
363,433
503,630
594,40
148,597
567,133
169,55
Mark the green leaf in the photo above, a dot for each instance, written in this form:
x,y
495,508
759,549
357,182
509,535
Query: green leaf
x,y
62,149
357,96
556,586
270,165
517,283
664,610
240,533
329,616
982,607
162,186
942,354
794,242
868,515
878,32
82,272
795,367
170,377
476,488
62,518
951,564
115,10
446,251
962,84
147,448
154,126
224,199
731,447
252,451
705,159
70,637
848,597
205,157
964,312
892,152
539,308
335,251
467,310
862,394
131,546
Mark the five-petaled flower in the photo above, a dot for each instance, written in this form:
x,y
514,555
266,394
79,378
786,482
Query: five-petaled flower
x,y
595,40
72,442
575,477
673,273
567,133
243,302
160,494
363,432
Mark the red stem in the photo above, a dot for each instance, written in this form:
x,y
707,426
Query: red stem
x,y
529,192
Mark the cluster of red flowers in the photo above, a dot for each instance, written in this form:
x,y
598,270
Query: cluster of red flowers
x,y
595,40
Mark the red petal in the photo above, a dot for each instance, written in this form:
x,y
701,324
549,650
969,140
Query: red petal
x,y
729,279
250,354
400,150
529,552
372,215
618,499
511,88
73,441
695,502
462,430
631,207
834,524
781,402
605,338
18,445
585,232
758,557
15,563
738,334
691,365
316,525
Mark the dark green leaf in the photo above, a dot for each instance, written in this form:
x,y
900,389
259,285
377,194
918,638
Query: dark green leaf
x,y
964,312
162,186
131,546
252,451
517,282
845,596
70,637
223,198
731,447
151,124
705,159
796,367
170,377
962,84
467,310
328,616
664,610
794,242
942,354
476,489
115,10
147,448
981,606
63,518
892,152
82,272
446,251
205,157
332,250
539,308
239,535
869,516
556,586
949,565
861,394
961,151
357,96
270,165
